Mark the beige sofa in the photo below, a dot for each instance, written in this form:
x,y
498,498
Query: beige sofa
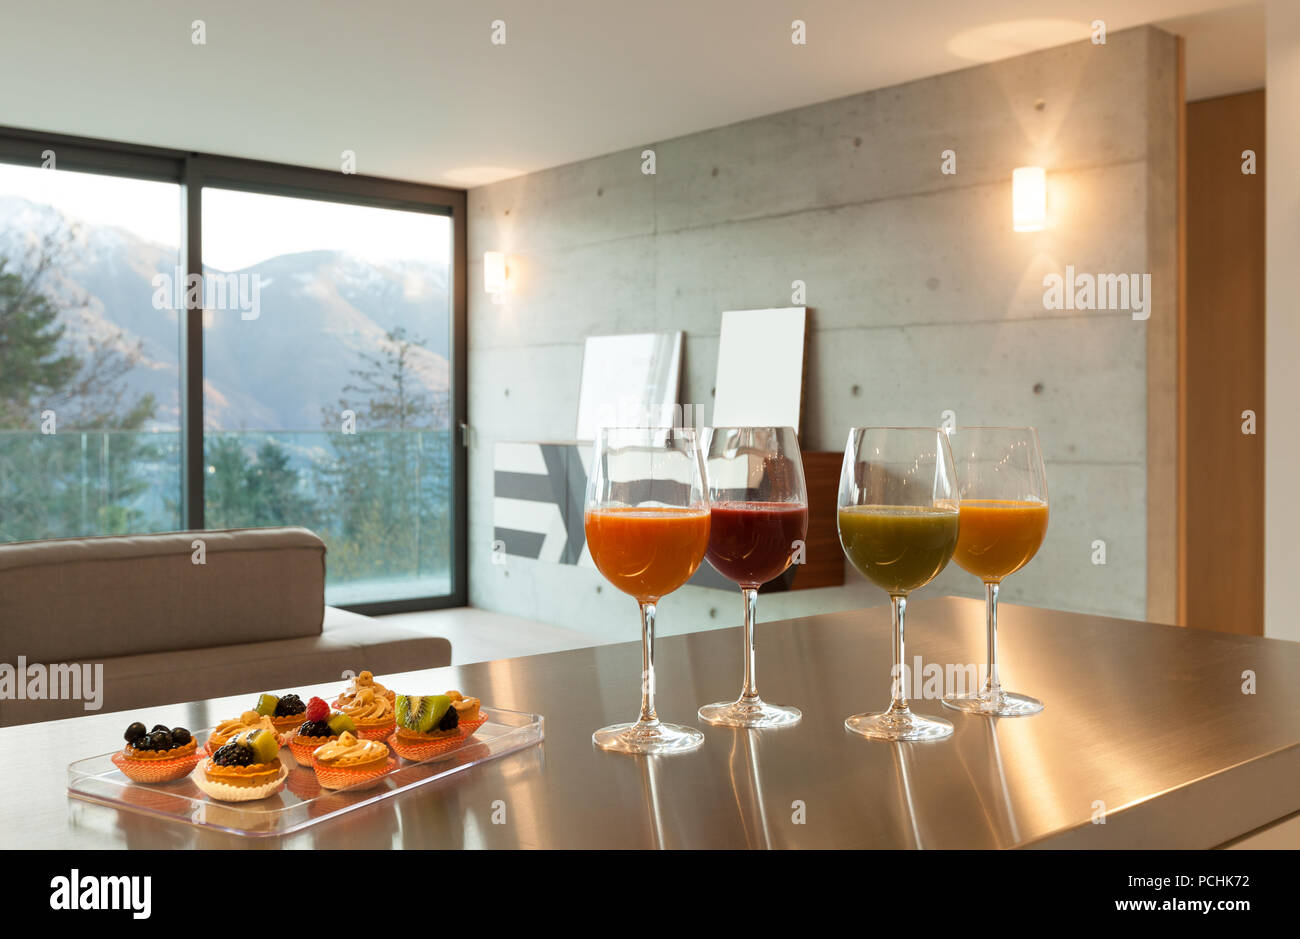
x,y
171,621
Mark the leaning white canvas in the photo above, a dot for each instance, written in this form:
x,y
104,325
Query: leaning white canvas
x,y
628,381
760,368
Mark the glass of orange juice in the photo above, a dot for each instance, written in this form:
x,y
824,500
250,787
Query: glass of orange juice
x,y
647,525
1002,523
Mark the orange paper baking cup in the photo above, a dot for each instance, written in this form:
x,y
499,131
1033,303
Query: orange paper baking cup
x,y
468,727
353,780
417,751
156,771
378,732
302,751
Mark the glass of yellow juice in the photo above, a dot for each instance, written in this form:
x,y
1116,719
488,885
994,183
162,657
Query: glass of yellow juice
x,y
1003,520
898,524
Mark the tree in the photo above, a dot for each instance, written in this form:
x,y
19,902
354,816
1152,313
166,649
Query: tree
x,y
244,493
32,364
38,368
65,483
387,486
385,389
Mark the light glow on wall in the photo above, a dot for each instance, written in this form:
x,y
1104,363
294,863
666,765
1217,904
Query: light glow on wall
x,y
1029,198
494,272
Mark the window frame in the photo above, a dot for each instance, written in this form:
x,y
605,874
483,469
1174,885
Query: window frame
x,y
192,171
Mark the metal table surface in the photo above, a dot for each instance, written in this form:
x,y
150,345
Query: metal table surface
x,y
1149,721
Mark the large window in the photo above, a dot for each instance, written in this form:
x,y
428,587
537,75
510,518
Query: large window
x,y
89,381
326,384
326,391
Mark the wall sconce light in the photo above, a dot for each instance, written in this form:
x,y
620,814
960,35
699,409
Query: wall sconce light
x,y
1029,198
495,274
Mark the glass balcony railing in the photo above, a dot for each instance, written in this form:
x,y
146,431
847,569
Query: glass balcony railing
x,y
381,500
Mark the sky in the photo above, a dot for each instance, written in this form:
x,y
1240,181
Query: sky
x,y
239,228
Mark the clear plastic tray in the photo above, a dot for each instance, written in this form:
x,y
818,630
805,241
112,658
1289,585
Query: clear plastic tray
x,y
301,803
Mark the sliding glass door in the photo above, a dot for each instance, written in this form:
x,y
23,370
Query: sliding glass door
x,y
312,376
327,384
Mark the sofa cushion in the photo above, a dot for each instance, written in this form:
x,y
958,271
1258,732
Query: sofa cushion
x,y
95,598
348,641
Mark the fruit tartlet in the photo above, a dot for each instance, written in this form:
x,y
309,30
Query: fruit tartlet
x,y
428,725
320,727
244,769
227,731
467,709
286,713
163,754
372,713
364,680
351,763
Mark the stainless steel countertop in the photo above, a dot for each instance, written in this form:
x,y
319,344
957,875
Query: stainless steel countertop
x,y
1149,720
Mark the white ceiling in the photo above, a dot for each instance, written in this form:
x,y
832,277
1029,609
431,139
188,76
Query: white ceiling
x,y
418,91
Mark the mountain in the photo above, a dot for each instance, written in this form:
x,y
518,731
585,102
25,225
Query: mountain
x,y
320,313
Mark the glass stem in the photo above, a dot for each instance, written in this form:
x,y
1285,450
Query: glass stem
x,y
648,715
992,684
749,691
899,684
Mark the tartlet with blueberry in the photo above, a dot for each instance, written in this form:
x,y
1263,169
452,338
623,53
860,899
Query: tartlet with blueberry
x,y
160,755
428,725
243,769
371,712
351,762
321,727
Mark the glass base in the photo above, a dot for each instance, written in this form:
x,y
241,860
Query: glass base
x,y
750,713
898,725
1001,704
649,737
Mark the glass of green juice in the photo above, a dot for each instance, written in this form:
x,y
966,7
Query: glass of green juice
x,y
898,510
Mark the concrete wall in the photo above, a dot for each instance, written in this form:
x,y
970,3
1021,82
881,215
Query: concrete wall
x,y
922,298
1282,325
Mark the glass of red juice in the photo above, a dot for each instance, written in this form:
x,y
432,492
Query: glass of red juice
x,y
758,523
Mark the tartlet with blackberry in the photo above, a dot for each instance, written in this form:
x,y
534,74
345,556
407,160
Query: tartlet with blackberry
x,y
163,754
286,712
320,727
246,768
429,725
226,731
351,762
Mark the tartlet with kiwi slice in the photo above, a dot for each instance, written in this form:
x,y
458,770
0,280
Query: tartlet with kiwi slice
x,y
246,768
321,727
163,754
429,725
227,731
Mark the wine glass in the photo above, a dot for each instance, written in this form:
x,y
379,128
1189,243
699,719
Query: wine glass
x,y
1003,523
898,527
647,525
759,520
